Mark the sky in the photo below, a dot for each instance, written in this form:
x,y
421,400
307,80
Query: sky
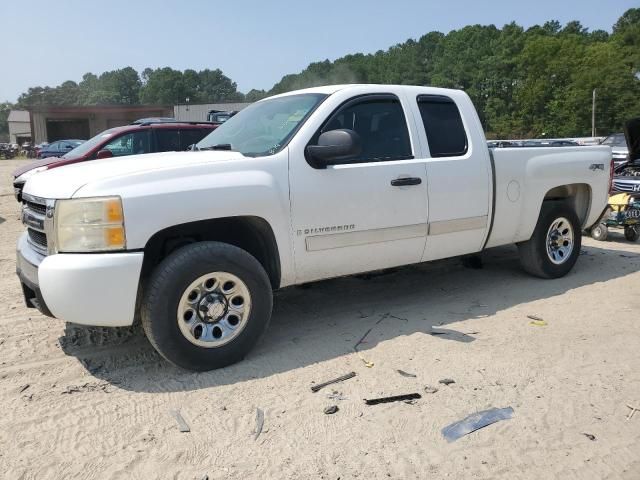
x,y
253,42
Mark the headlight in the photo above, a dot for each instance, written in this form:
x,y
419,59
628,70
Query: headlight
x,y
26,175
89,225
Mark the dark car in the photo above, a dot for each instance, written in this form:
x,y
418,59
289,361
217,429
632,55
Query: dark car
x,y
143,136
59,148
220,116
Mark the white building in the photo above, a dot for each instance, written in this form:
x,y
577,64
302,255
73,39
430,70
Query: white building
x,y
198,113
19,126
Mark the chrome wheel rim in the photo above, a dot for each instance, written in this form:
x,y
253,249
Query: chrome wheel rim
x,y
214,309
560,241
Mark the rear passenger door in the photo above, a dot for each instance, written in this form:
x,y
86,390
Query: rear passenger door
x,y
458,177
167,139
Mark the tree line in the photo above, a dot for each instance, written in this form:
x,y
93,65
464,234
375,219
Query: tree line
x,y
524,82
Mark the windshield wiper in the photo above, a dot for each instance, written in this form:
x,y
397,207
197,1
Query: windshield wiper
x,y
219,146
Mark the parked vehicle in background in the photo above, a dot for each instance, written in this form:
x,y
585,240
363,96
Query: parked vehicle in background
x,y
58,148
220,116
619,149
143,136
627,174
563,143
299,187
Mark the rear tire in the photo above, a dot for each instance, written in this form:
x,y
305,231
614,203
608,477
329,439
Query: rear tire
x,y
206,305
631,233
553,249
600,232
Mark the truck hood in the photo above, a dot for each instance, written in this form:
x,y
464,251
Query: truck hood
x,y
65,181
632,136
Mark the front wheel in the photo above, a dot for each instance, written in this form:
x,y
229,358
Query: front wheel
x,y
600,232
206,305
553,249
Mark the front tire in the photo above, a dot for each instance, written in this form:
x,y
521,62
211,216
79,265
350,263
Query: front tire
x,y
600,232
553,249
206,305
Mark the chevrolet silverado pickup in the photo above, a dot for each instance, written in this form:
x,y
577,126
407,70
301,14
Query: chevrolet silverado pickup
x,y
303,186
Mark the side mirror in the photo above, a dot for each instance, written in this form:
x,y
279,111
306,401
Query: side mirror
x,y
333,147
105,154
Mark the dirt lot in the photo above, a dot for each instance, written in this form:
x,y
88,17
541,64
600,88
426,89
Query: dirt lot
x,y
95,403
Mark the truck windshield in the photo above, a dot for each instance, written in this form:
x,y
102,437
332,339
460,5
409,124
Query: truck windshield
x,y
264,127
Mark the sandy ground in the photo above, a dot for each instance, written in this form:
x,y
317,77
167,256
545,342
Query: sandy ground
x,y
95,403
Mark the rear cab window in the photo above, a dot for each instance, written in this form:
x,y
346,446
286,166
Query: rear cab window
x,y
443,126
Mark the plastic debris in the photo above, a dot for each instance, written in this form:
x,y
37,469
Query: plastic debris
x,y
406,374
537,321
319,386
182,424
336,396
331,410
395,398
446,381
259,423
475,422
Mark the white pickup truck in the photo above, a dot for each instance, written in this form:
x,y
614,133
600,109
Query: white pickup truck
x,y
304,186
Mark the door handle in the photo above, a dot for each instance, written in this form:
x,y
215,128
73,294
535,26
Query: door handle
x,y
406,181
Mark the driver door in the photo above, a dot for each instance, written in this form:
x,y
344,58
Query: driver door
x,y
366,213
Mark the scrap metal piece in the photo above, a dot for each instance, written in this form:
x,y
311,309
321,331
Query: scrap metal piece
x,y
183,426
395,398
259,423
320,386
475,421
446,381
331,410
406,374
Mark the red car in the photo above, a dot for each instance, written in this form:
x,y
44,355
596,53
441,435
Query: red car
x,y
142,136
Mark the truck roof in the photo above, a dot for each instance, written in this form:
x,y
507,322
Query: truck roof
x,y
329,89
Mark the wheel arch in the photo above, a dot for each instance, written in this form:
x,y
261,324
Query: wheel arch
x,y
577,195
250,233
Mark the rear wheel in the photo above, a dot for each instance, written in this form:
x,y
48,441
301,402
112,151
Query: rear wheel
x,y
553,249
600,232
631,233
206,305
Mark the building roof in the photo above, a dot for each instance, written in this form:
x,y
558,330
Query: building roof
x,y
97,108
18,116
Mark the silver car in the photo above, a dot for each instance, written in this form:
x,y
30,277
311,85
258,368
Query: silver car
x,y
619,148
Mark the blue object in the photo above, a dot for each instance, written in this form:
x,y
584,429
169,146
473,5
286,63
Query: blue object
x,y
475,422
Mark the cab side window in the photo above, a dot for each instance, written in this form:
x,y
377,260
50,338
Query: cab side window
x,y
134,143
381,125
443,126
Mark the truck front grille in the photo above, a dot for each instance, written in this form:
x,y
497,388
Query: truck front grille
x,y
36,207
34,217
631,187
37,239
